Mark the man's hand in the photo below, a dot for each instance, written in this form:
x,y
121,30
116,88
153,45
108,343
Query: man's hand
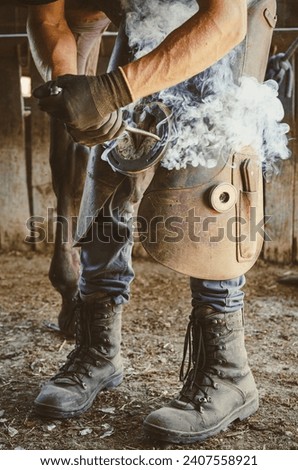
x,y
110,128
88,105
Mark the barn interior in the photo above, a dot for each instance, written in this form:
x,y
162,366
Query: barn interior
x,y
31,345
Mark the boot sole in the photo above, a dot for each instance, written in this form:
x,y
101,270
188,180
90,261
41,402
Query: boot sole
x,y
162,434
50,412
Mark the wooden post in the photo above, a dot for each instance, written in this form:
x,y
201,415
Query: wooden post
x,y
295,153
280,192
13,188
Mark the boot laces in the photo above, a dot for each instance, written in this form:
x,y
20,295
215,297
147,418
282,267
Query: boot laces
x,y
77,365
84,355
197,370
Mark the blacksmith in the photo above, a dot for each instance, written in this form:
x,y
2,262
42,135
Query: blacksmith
x,y
218,386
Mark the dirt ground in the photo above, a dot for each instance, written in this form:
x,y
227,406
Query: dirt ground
x,y
153,335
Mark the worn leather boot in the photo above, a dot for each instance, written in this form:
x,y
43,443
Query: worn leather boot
x,y
67,314
218,384
94,365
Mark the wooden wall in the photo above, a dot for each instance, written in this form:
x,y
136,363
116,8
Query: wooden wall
x,y
281,194
14,204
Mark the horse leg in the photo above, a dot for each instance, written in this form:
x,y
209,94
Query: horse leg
x,y
68,163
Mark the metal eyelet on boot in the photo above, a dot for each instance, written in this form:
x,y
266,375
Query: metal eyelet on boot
x,y
202,400
84,385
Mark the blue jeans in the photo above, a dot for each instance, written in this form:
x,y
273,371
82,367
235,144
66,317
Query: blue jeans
x,y
106,257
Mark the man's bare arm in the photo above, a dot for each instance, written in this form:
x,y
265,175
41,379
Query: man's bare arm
x,y
52,44
86,102
200,42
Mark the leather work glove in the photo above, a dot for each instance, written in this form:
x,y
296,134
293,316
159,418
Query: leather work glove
x,y
108,130
88,105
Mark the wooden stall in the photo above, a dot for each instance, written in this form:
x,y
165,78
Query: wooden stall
x,y
14,204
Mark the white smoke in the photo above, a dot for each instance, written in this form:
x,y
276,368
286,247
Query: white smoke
x,y
149,22
212,114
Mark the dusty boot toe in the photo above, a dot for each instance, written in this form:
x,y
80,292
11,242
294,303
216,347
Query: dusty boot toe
x,y
57,401
183,423
164,422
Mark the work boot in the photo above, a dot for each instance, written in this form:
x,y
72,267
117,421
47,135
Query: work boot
x,y
94,365
218,384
